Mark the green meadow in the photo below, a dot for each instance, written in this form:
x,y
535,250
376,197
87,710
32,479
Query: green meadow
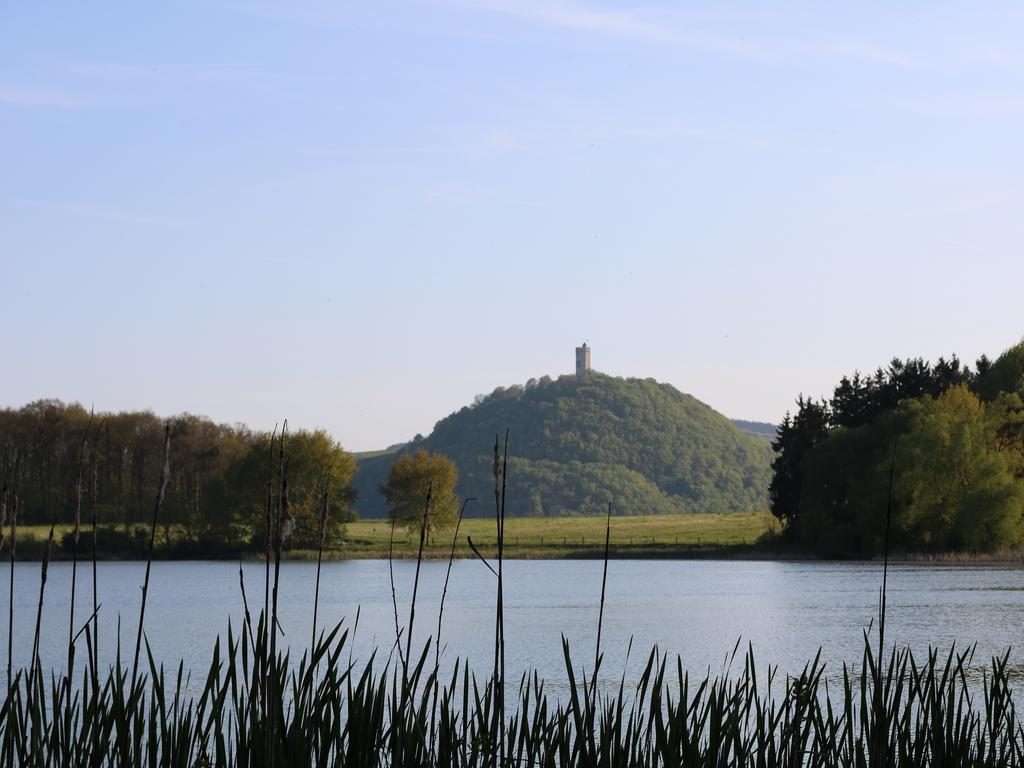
x,y
560,537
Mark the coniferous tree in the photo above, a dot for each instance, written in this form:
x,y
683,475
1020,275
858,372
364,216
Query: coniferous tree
x,y
796,438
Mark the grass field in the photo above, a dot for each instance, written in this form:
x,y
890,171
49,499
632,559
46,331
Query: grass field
x,y
374,454
547,537
544,537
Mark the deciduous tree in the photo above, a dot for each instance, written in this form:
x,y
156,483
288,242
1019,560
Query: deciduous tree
x,y
415,474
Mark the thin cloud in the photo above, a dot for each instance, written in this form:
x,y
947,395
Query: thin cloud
x,y
635,25
873,54
579,17
39,98
101,212
974,106
92,70
112,74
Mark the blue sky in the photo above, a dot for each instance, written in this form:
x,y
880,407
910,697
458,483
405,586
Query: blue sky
x,y
360,215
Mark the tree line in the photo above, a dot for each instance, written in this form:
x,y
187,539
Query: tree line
x,y
58,457
951,438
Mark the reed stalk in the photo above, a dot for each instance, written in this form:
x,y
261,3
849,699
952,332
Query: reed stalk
x,y
416,579
3,523
320,539
165,471
268,538
94,510
13,554
500,469
39,611
881,733
247,622
394,595
268,549
3,514
440,615
447,576
281,528
76,533
600,610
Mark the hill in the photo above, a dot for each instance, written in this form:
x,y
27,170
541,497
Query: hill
x,y
759,429
576,444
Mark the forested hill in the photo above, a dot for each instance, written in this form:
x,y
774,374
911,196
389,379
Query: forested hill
x,y
575,445
759,429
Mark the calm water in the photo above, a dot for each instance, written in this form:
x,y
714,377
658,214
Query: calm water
x,y
698,609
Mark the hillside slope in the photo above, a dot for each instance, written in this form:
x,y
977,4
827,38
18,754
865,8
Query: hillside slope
x,y
575,445
762,430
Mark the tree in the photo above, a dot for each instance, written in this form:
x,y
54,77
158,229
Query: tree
x,y
956,488
414,475
312,458
1005,416
1006,374
845,490
957,481
796,438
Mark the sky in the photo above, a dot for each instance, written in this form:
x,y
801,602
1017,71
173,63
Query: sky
x,y
358,216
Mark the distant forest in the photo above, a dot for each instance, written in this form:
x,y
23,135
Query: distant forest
x,y
951,437
216,489
759,429
576,446
951,434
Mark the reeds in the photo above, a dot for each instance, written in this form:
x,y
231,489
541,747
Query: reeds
x,y
332,713
260,707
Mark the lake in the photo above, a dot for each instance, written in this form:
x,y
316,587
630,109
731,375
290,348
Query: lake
x,y
697,609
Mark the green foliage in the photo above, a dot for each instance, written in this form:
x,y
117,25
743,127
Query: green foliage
x,y
216,489
959,481
412,477
576,444
759,429
956,490
313,459
856,401
796,438
1005,417
590,487
1006,374
843,491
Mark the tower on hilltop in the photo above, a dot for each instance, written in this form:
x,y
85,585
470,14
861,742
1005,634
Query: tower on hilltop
x,y
582,360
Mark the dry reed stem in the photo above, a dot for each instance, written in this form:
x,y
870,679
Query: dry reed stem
x,y
39,610
394,596
282,512
600,612
165,472
321,538
74,557
15,501
416,578
447,576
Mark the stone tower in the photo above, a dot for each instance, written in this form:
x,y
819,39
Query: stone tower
x,y
582,360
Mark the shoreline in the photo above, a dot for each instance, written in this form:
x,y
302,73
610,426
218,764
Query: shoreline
x,y
999,560
740,536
